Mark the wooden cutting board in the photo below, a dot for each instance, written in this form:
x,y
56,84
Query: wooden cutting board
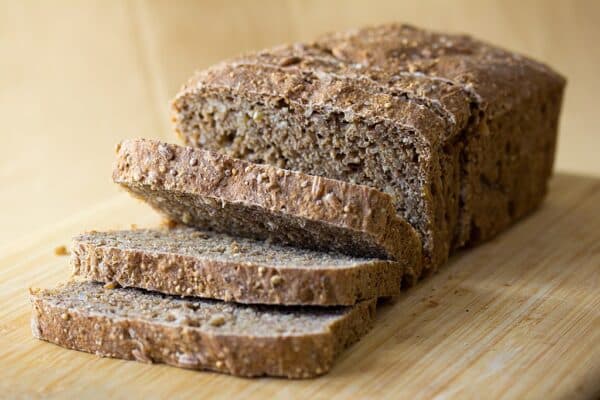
x,y
518,317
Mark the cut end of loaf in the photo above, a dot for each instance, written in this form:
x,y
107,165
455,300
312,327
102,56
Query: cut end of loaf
x,y
316,140
461,133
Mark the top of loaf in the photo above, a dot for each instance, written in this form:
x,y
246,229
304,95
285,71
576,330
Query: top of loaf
x,y
488,71
426,82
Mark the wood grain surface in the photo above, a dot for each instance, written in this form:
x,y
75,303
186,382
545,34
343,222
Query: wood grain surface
x,y
516,318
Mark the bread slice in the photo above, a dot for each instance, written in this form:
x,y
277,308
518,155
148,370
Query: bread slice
x,y
199,334
209,190
460,132
187,262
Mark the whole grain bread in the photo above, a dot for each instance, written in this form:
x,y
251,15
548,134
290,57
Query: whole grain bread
x,y
462,134
209,190
199,334
187,262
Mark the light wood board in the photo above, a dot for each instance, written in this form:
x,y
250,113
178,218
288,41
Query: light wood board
x,y
518,317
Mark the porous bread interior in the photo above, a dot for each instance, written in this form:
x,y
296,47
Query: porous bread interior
x,y
322,143
256,222
218,247
236,319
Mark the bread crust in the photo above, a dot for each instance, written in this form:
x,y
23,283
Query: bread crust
x,y
481,120
507,146
111,334
209,190
161,261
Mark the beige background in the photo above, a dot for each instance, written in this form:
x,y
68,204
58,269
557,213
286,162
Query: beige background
x,y
76,77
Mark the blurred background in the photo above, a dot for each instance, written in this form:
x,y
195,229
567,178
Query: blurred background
x,y
78,76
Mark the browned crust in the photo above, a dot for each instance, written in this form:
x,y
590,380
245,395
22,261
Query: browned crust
x,y
203,188
320,81
488,73
300,356
342,91
442,90
514,104
240,281
409,75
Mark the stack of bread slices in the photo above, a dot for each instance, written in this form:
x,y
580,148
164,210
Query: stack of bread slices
x,y
316,179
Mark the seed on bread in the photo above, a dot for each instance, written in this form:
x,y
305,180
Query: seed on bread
x,y
276,280
111,285
217,320
166,152
234,247
186,218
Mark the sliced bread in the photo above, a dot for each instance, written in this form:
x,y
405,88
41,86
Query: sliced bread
x,y
460,132
199,334
187,262
210,190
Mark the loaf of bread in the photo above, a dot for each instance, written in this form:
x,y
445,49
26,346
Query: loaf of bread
x,y
462,134
186,262
199,334
376,153
213,191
